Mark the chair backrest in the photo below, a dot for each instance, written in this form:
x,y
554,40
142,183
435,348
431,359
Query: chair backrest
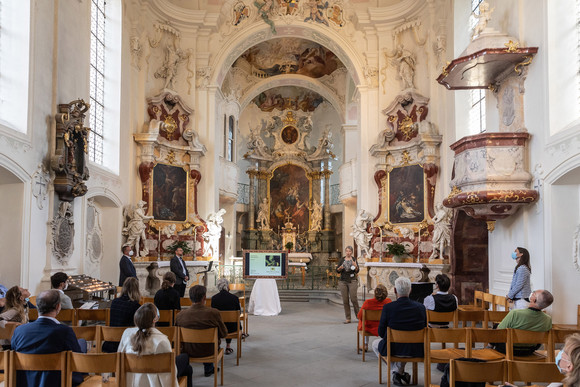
x,y
500,303
479,335
8,330
145,300
467,371
488,300
32,314
35,362
184,301
231,316
478,298
5,366
147,364
450,335
442,317
520,336
241,287
166,316
89,333
473,316
112,333
370,315
66,315
208,302
199,336
172,334
94,315
97,363
525,371
559,335
396,336
494,316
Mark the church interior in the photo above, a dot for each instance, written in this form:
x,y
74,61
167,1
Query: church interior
x,y
438,134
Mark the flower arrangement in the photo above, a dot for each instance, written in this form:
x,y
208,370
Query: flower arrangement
x,y
178,244
396,249
289,246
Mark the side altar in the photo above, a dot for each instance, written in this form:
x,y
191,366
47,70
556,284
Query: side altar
x,y
150,274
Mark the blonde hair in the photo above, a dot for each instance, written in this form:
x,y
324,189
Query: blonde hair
x,y
144,320
131,289
13,301
572,347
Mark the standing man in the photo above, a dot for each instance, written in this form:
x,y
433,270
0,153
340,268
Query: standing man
x,y
59,281
178,267
43,336
126,265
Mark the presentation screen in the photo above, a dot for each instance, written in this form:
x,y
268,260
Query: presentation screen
x,y
265,264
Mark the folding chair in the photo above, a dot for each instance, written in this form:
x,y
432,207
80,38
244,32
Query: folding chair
x,y
92,334
450,335
524,371
149,364
95,315
205,336
395,336
35,362
367,315
467,371
486,336
519,336
233,316
94,363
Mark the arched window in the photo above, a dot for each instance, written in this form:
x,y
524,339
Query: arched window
x,y
97,80
229,151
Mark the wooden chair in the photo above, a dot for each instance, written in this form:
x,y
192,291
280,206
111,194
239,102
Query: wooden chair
x,y
519,336
450,335
67,316
95,315
34,362
166,316
110,334
442,317
32,314
145,300
367,315
32,300
149,364
488,301
395,336
570,326
233,316
5,367
185,302
523,371
172,334
92,334
175,313
500,302
467,371
208,302
486,336
242,288
94,363
494,317
472,316
477,302
205,336
559,337
8,330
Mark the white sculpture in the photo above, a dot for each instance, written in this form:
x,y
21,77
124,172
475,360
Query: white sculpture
x,y
135,227
360,234
316,217
173,56
441,231
406,62
263,212
482,19
211,237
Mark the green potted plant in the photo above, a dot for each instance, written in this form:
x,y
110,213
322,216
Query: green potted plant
x,y
289,246
397,250
178,244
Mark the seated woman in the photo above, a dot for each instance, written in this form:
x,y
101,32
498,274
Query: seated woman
x,y
372,327
167,298
15,310
144,339
123,309
224,300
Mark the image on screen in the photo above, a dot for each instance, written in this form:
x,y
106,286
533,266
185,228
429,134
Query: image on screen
x,y
265,264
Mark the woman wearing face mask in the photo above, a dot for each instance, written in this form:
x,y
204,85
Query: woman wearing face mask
x,y
145,339
520,287
568,360
16,309
348,283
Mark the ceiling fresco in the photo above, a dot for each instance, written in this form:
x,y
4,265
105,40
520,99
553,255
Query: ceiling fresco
x,y
288,97
288,56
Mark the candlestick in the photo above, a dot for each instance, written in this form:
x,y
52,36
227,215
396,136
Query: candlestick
x,y
159,243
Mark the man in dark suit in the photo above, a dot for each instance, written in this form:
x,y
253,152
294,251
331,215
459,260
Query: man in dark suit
x,y
224,300
126,265
199,316
179,268
45,335
403,315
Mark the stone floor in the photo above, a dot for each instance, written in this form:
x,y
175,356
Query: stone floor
x,y
306,345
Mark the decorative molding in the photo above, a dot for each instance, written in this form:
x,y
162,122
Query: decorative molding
x,y
63,233
576,249
40,181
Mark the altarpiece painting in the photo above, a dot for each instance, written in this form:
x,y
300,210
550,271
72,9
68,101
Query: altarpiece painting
x,y
169,193
406,187
289,191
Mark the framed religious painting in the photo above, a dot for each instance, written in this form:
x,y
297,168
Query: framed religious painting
x,y
170,193
406,195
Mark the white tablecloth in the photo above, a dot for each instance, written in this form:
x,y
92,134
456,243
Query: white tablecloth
x,y
265,300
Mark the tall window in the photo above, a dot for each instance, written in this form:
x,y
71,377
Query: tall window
x,y
477,111
97,80
230,140
474,10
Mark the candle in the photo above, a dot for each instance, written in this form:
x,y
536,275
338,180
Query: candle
x,y
159,244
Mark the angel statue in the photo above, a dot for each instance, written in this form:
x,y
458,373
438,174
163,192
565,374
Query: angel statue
x,y
316,217
211,237
482,19
134,227
360,234
263,215
168,71
441,231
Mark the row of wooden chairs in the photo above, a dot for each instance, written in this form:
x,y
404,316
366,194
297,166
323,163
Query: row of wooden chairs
x,y
503,371
75,316
470,338
486,301
102,363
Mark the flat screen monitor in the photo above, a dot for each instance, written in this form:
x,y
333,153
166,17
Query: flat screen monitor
x,y
265,264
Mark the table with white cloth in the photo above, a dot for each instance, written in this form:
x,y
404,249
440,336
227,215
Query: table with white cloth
x,y
264,300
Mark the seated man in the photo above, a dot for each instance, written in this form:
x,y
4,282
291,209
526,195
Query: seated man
x,y
45,335
199,316
405,315
441,301
530,319
224,300
59,281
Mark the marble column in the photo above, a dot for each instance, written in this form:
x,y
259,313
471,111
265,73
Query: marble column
x,y
327,174
251,224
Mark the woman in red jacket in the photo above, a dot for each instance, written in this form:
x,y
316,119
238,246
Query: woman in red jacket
x,y
376,303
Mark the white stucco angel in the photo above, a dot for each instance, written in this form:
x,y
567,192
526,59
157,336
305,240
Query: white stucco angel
x,y
168,71
263,220
441,231
135,225
211,237
482,19
359,232
316,217
406,62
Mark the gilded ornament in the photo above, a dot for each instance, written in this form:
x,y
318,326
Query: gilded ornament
x,y
406,158
392,118
526,62
406,128
289,119
511,46
454,191
490,225
444,71
170,127
171,157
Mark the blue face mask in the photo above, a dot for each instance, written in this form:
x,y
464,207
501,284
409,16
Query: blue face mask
x,y
558,358
514,255
27,299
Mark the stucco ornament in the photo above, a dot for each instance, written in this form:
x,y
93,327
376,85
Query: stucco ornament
x,y
63,233
40,182
263,219
576,249
441,231
360,234
211,237
316,217
134,227
482,19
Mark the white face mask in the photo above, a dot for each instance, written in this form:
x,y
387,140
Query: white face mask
x,y
131,253
65,286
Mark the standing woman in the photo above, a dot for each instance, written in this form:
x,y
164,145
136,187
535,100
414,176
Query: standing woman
x,y
520,288
348,283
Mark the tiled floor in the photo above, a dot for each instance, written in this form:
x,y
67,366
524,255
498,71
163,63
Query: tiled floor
x,y
306,345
